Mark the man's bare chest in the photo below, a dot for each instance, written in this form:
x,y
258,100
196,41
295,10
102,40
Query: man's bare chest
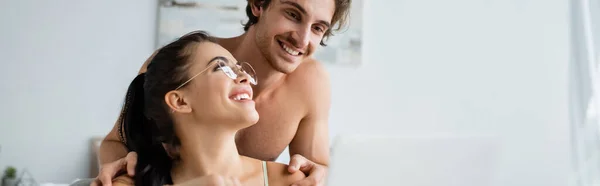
x,y
278,122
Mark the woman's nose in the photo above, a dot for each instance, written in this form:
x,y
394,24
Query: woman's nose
x,y
245,74
242,77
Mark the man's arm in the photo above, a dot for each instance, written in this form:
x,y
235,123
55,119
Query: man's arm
x,y
312,137
309,149
111,148
112,158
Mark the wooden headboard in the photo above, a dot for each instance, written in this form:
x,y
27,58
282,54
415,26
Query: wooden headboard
x,y
94,159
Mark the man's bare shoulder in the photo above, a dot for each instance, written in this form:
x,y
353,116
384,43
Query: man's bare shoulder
x,y
310,76
279,174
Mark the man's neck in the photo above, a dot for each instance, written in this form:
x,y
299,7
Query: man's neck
x,y
206,151
244,49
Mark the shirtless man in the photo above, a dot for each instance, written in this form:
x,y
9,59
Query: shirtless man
x,y
293,94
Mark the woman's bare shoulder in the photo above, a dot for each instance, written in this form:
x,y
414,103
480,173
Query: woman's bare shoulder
x,y
123,180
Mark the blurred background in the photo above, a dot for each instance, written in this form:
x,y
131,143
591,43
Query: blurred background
x,y
524,70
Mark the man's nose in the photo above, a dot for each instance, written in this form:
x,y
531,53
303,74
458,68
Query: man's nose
x,y
302,37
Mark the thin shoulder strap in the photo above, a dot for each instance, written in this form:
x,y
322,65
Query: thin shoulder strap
x,y
265,175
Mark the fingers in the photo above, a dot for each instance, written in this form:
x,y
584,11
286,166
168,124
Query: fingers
x,y
109,170
296,162
314,178
131,161
315,172
105,179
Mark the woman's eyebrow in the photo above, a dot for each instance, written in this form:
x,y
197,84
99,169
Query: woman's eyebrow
x,y
218,58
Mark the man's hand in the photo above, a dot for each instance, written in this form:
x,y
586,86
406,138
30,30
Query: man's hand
x,y
315,172
110,170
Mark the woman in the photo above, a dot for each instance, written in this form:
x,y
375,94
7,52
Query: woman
x,y
182,114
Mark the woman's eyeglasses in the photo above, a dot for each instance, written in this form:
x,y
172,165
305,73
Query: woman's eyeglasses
x,y
231,70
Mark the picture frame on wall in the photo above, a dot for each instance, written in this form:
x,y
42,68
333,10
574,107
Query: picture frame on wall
x,y
220,18
224,18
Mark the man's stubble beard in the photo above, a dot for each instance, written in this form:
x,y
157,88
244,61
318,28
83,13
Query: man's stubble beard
x,y
262,43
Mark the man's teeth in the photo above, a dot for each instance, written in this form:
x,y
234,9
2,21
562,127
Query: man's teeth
x,y
241,97
290,51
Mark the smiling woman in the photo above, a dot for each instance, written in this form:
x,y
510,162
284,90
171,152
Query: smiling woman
x,y
181,117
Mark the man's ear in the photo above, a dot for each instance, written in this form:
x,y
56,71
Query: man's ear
x,y
256,6
177,102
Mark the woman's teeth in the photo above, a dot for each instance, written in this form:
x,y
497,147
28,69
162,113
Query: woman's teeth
x,y
289,50
241,97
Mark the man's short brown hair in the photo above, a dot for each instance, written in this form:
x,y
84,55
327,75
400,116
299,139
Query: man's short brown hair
x,y
338,21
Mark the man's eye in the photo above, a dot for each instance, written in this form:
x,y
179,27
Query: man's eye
x,y
319,29
292,15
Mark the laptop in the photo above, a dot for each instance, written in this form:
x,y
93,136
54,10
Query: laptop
x,y
417,160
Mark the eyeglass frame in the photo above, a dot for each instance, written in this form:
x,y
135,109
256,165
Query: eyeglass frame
x,y
228,71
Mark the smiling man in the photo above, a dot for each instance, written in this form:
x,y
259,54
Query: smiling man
x,y
293,94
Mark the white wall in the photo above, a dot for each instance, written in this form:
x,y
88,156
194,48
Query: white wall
x,y
65,66
491,66
584,101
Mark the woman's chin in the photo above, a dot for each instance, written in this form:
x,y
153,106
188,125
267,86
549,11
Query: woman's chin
x,y
252,117
247,119
245,113
250,113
